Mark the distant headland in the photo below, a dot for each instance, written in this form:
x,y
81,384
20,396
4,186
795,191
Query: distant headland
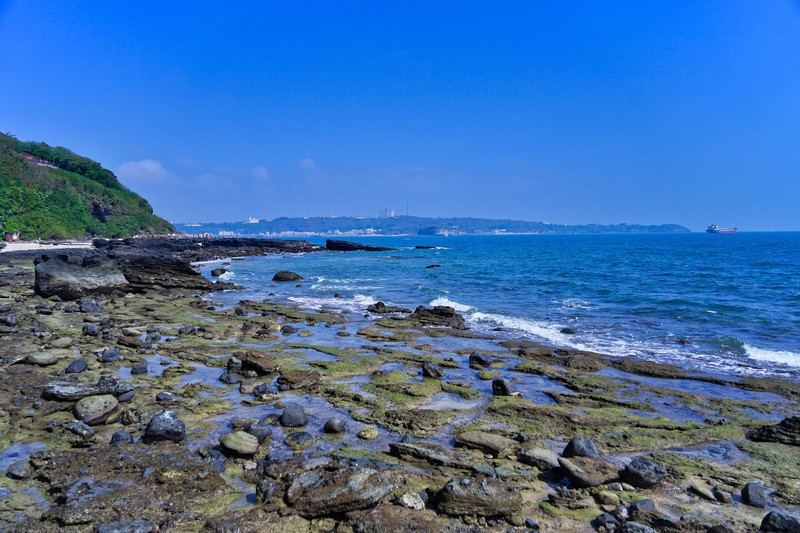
x,y
407,225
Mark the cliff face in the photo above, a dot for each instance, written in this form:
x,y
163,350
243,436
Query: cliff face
x,y
48,192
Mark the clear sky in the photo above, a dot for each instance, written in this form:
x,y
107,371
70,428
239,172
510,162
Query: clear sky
x,y
567,112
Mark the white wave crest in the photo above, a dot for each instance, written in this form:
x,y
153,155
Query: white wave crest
x,y
551,332
774,356
460,308
227,276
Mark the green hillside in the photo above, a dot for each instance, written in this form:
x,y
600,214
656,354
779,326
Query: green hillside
x,y
50,192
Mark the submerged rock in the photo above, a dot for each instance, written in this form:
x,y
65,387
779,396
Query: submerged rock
x,y
503,387
294,416
479,361
334,425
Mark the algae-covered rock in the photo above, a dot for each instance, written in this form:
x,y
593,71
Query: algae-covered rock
x,y
588,471
94,410
643,473
332,492
68,391
240,442
368,433
486,442
479,496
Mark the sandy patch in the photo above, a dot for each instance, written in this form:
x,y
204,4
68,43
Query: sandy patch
x,y
26,246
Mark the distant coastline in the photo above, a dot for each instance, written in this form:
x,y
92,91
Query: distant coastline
x,y
407,225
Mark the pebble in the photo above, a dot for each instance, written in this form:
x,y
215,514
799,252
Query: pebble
x,y
42,359
240,442
165,397
121,437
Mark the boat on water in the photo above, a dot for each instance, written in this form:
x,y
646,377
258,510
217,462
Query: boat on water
x,y
713,228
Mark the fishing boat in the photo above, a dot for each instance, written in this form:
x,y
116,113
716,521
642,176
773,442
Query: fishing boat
x,y
713,228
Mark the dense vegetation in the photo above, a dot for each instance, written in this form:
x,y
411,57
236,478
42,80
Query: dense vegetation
x,y
78,199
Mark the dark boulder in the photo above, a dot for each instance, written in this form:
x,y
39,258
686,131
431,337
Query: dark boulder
x,y
432,370
381,308
753,494
441,315
478,361
285,275
503,387
121,437
786,432
76,275
294,416
775,522
643,473
165,425
479,496
156,271
76,367
580,447
334,425
218,272
346,246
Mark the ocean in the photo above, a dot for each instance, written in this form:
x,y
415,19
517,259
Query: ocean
x,y
722,304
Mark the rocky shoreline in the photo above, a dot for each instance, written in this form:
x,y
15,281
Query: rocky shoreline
x,y
131,401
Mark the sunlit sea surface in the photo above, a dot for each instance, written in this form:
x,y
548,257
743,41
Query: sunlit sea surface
x,y
724,304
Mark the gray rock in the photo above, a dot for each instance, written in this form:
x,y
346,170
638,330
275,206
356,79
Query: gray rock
x,y
588,471
90,330
76,427
124,398
121,526
479,361
110,355
293,416
259,431
338,491
94,410
114,385
218,272
121,437
163,397
300,440
285,275
479,496
643,473
165,425
503,387
68,391
432,370
42,359
187,330
643,505
76,367
753,494
139,368
19,470
776,522
334,425
580,447
636,527
76,275
607,521
230,379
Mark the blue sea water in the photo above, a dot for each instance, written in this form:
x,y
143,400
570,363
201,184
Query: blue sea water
x,y
724,304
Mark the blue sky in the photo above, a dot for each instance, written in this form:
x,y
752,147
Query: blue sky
x,y
607,112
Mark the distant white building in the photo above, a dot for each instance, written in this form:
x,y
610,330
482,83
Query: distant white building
x,y
226,233
251,220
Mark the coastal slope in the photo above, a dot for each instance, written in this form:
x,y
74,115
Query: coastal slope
x,y
51,192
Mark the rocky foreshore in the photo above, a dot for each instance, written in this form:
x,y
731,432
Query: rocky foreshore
x,y
131,402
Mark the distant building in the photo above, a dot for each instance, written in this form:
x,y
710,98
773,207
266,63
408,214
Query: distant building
x,y
12,236
252,220
226,233
386,213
